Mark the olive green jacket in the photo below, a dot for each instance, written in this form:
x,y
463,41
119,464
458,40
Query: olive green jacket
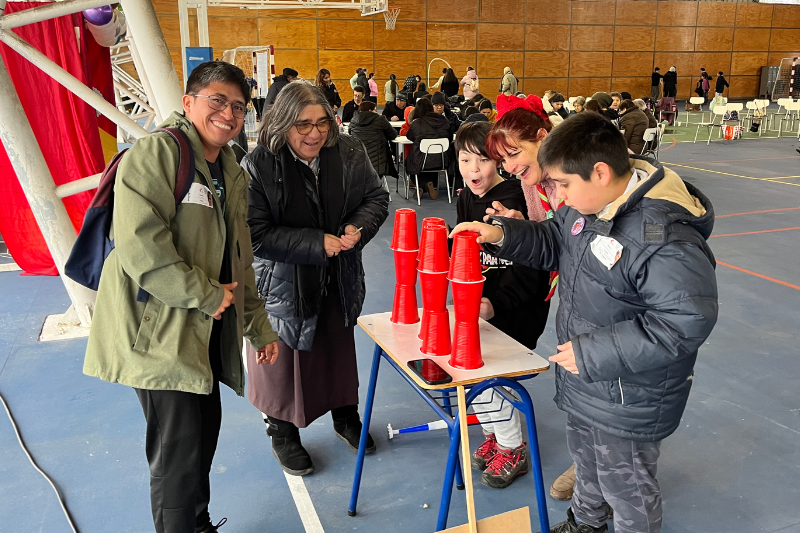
x,y
175,254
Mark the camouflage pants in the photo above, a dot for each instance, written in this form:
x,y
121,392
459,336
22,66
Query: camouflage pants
x,y
614,472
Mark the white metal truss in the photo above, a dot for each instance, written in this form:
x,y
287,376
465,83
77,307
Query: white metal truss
x,y
129,90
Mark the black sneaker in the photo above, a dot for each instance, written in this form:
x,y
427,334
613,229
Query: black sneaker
x,y
570,526
349,430
211,528
287,448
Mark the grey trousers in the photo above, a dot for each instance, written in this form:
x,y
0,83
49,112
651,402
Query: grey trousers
x,y
654,90
616,473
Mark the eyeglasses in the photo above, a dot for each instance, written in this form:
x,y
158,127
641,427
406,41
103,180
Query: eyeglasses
x,y
220,104
304,128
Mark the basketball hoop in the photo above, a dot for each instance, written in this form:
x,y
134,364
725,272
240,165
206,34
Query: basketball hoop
x,y
391,17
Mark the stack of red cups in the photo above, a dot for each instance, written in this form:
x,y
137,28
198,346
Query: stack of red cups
x,y
467,278
405,244
433,266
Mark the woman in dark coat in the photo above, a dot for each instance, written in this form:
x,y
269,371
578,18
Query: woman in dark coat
x,y
375,132
450,84
634,123
428,125
671,83
328,88
315,202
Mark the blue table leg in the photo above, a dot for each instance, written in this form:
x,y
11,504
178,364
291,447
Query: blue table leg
x,y
362,443
449,475
449,408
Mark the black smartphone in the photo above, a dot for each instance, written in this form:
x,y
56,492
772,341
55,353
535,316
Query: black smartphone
x,y
430,372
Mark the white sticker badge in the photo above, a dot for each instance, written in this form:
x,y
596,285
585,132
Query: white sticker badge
x,y
199,194
607,250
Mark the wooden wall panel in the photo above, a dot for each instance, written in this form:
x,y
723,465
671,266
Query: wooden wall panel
x,y
546,37
586,87
343,64
498,10
683,62
639,87
177,60
744,86
786,16
490,88
747,39
460,61
636,12
712,62
635,38
774,58
754,15
493,63
501,36
590,64
166,7
452,36
401,64
233,12
784,39
170,27
592,38
549,11
467,11
538,86
411,9
288,33
229,33
546,64
345,35
716,14
287,14
632,64
593,11
675,39
677,13
306,63
748,63
405,36
714,39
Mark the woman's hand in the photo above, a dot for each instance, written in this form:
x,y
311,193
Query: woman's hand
x,y
350,238
499,210
486,233
333,245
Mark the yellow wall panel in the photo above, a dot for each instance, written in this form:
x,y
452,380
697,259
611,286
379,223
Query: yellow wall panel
x,y
500,10
227,33
305,63
683,62
635,38
632,64
493,63
458,60
442,10
675,39
546,64
639,86
452,36
746,39
405,36
402,64
677,13
785,16
233,12
501,36
169,7
712,62
784,39
590,64
754,15
744,86
547,37
170,27
748,63
586,87
714,39
345,35
286,13
593,11
716,14
538,86
774,58
490,88
343,64
591,38
549,11
411,9
636,12
288,33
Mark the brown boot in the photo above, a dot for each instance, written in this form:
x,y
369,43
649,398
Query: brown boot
x,y
563,485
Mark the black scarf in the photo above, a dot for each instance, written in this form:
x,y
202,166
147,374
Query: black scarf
x,y
303,212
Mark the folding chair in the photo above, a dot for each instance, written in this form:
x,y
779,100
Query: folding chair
x,y
782,102
738,108
433,147
718,111
649,137
754,114
698,100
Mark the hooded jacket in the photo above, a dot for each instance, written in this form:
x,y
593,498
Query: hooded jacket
x,y
634,122
517,292
509,84
278,248
466,82
175,254
278,83
432,126
374,131
635,328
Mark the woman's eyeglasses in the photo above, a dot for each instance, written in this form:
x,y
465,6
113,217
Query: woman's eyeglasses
x,y
304,128
220,104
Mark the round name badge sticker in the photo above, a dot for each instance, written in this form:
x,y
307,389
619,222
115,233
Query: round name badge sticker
x,y
577,227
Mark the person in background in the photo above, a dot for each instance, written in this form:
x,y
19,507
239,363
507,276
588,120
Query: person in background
x,y
633,122
593,106
394,110
557,101
616,99
550,107
656,79
487,110
428,125
440,106
328,88
314,203
278,83
625,95
577,105
354,79
721,84
375,132
410,86
352,106
421,91
513,301
363,81
605,101
472,114
471,84
671,83
651,120
450,84
705,84
508,85
391,89
373,88
189,268
438,83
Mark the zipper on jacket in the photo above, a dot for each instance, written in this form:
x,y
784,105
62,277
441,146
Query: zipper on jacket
x,y
622,394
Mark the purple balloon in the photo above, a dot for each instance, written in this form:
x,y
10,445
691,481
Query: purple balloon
x,y
99,16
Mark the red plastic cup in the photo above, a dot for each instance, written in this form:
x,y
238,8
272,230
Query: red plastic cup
x,y
404,310
434,290
467,300
405,267
466,346
465,263
404,235
436,336
433,253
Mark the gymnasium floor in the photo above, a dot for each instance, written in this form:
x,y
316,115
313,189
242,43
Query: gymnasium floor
x,y
731,467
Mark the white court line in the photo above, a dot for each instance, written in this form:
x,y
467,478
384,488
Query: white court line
x,y
9,267
304,504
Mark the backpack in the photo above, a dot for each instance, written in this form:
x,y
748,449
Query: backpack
x,y
473,85
85,263
731,115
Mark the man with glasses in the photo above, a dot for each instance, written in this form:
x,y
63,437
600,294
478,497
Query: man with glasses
x,y
178,293
352,106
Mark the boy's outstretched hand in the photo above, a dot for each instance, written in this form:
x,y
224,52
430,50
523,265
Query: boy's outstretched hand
x,y
487,233
566,357
499,210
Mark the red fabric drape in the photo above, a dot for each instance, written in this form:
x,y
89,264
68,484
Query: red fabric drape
x,y
66,129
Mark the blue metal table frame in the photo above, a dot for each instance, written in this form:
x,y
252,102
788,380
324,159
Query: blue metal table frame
x,y
523,404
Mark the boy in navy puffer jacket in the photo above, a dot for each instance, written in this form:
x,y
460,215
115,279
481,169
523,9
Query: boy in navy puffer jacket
x,y
638,296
